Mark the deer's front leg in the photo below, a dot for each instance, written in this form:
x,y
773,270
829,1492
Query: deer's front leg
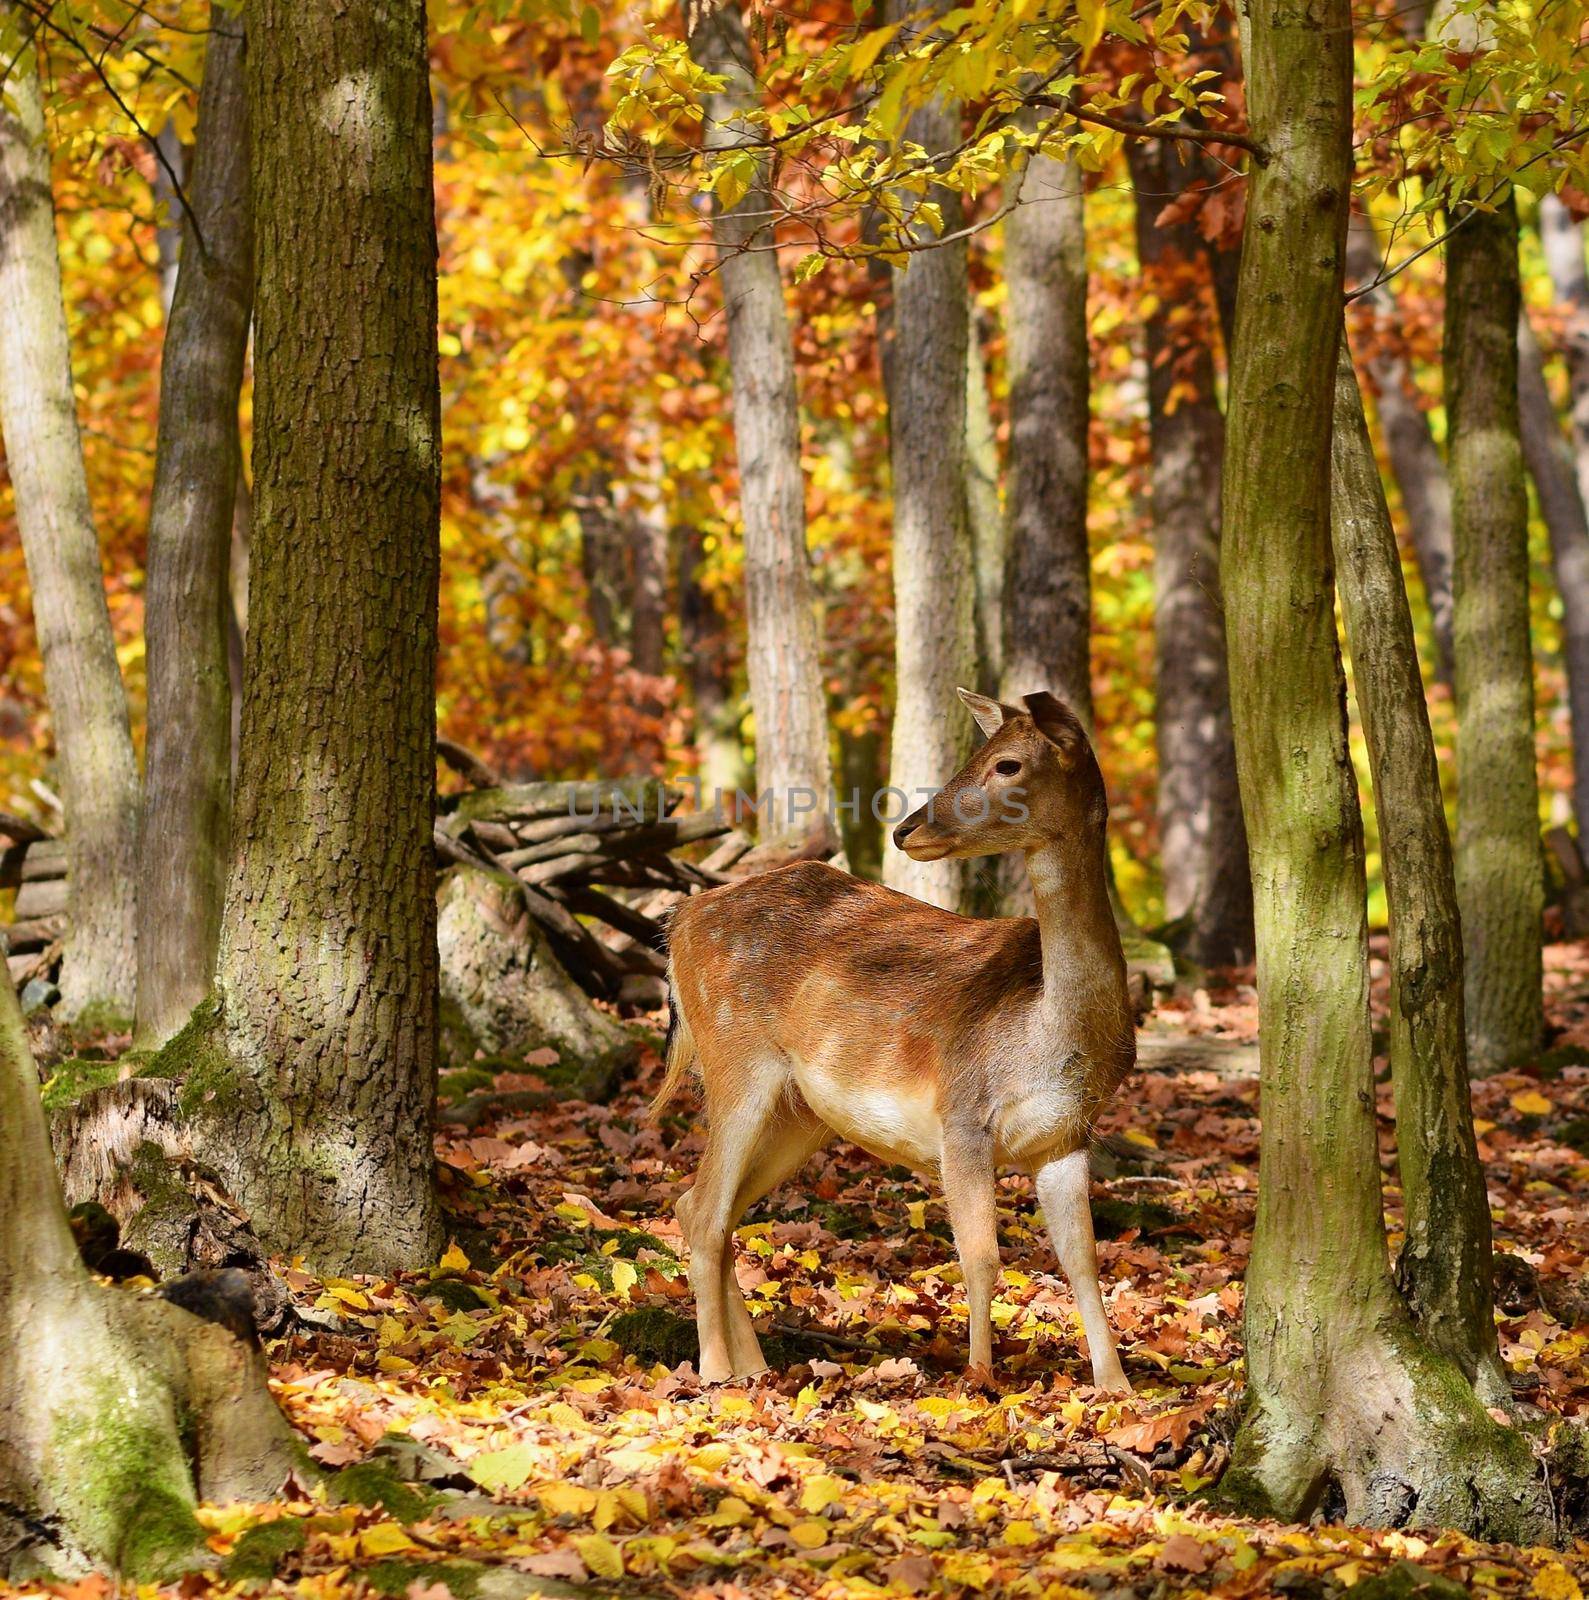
x,y
1062,1193
968,1188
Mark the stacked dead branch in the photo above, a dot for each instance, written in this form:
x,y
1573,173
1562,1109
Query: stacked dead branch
x,y
34,864
596,864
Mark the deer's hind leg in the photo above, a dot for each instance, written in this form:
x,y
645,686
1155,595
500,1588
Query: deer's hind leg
x,y
747,1106
789,1139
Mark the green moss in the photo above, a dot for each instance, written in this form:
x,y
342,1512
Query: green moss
x,y
98,1018
196,1059
1112,1216
394,1577
124,1472
75,1077
455,1295
262,1549
462,1082
371,1483
161,1538
631,1241
653,1334
1404,1581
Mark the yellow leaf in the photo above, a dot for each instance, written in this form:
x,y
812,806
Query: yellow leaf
x,y
503,1469
820,1493
1531,1103
624,1277
917,1212
809,1534
567,1499
601,1555
454,1260
348,1295
1554,1582
385,1539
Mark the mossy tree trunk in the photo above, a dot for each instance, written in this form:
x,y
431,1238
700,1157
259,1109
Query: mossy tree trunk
x,y
782,645
1500,875
118,1412
309,1087
1444,1268
188,764
1207,886
1343,1394
934,564
1547,453
1410,447
44,456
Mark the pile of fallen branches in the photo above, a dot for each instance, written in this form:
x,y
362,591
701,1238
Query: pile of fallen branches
x,y
34,864
595,865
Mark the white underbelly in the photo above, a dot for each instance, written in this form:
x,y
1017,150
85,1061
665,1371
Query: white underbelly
x,y
898,1124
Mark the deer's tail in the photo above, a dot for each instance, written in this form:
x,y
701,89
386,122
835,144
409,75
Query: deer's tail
x,y
680,1050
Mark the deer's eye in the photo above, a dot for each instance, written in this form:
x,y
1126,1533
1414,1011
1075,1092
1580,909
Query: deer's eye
x,y
1007,769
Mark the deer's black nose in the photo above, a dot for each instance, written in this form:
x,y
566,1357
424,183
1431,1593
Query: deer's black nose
x,y
908,827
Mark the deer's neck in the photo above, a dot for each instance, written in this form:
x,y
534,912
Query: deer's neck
x,y
1084,973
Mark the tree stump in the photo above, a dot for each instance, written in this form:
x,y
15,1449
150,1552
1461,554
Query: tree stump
x,y
504,993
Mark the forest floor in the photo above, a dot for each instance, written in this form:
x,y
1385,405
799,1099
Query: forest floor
x,y
536,1381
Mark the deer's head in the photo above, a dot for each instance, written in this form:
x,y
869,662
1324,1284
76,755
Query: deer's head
x,y
1035,782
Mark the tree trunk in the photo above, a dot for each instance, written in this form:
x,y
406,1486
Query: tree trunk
x,y
1548,456
309,1086
118,1412
704,637
44,455
1047,642
934,565
648,545
1343,1395
504,992
990,543
1444,1268
187,787
601,556
1410,446
1500,879
1203,840
783,647
1562,237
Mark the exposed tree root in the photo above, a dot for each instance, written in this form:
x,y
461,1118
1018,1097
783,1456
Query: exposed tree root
x,y
1395,1437
104,1456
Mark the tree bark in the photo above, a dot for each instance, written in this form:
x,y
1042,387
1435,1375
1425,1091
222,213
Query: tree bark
x,y
783,646
934,564
703,631
990,542
1444,1267
1409,444
1203,839
1500,880
44,456
601,556
1548,456
309,1084
1562,238
187,786
118,1412
1049,599
1343,1395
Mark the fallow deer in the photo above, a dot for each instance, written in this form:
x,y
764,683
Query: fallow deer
x,y
816,1005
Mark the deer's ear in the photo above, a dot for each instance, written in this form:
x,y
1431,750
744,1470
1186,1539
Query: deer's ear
x,y
1057,723
991,715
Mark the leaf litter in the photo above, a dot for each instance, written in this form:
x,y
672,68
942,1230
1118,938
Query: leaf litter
x,y
525,1417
